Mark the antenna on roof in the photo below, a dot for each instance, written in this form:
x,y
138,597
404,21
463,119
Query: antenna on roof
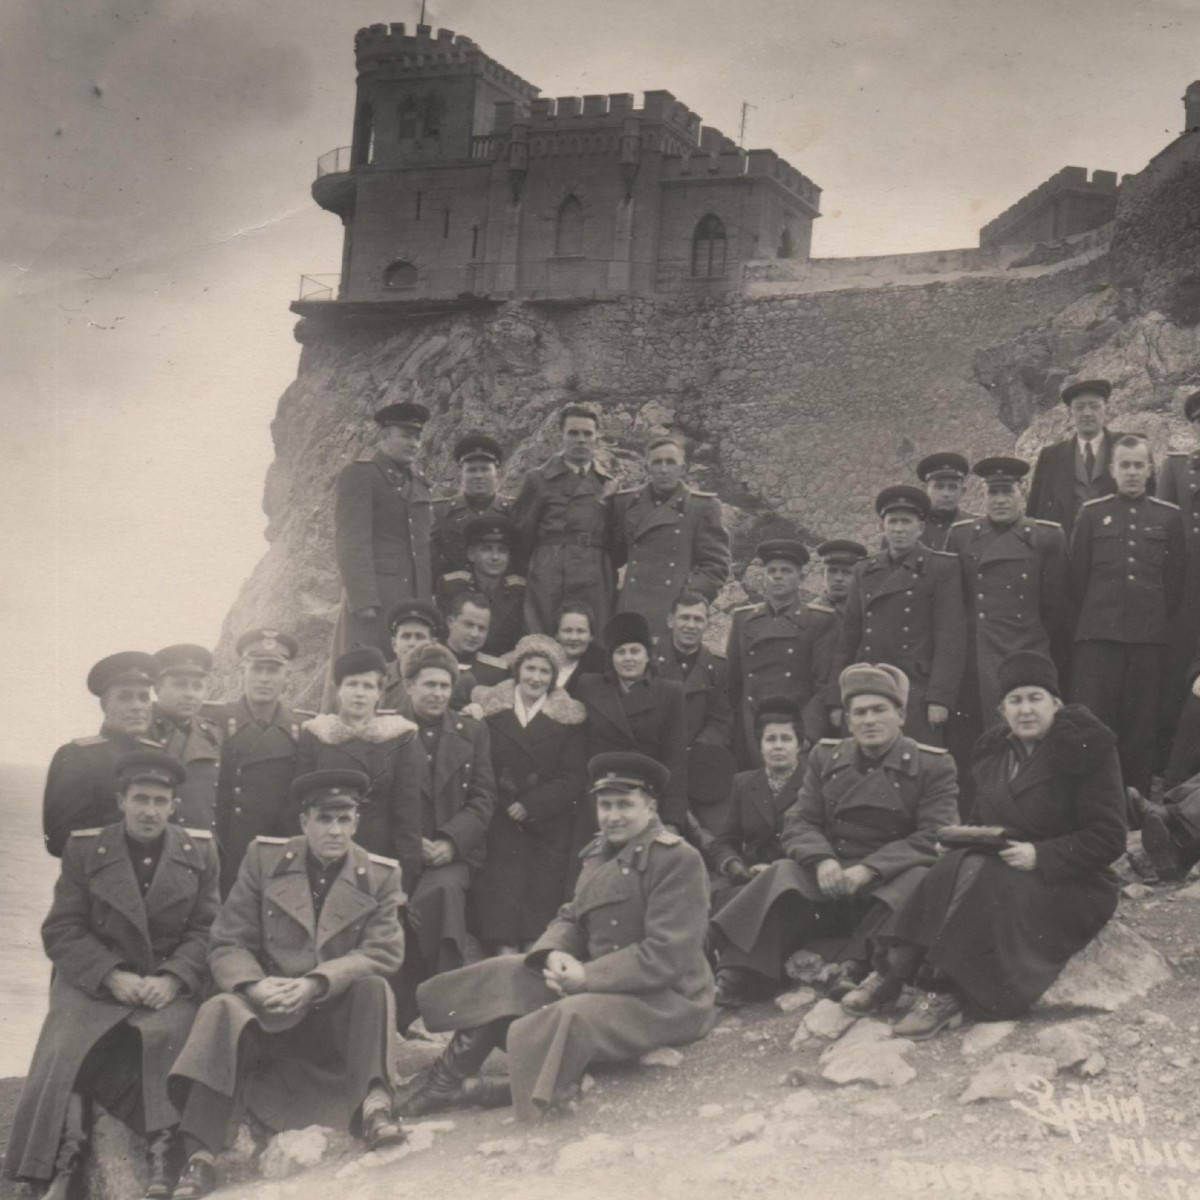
x,y
745,109
422,12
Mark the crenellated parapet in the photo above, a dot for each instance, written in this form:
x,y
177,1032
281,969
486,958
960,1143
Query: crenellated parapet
x,y
719,157
1065,204
390,51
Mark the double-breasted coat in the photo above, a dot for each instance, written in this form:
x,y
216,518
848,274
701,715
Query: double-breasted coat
x,y
100,919
506,598
198,746
382,537
1017,583
882,814
752,822
637,922
268,927
1003,935
81,784
909,612
258,763
562,533
1179,483
938,526
780,652
458,797
451,515
649,718
386,751
543,765
667,546
707,713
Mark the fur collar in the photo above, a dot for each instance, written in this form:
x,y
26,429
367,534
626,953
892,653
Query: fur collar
x,y
1076,742
558,707
332,730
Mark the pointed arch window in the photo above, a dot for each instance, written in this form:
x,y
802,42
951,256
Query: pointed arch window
x,y
408,119
568,235
433,112
708,247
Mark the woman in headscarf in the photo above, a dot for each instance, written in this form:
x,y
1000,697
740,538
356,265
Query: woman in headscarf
x,y
1011,899
539,757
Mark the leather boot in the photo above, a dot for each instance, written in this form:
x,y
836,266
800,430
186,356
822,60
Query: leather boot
x,y
440,1086
68,1166
162,1164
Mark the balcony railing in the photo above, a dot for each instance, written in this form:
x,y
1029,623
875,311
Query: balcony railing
x,y
333,162
320,287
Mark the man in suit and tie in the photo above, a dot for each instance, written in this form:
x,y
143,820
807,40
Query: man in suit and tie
x,y
1076,470
668,538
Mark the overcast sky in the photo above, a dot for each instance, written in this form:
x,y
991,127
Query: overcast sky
x,y
155,215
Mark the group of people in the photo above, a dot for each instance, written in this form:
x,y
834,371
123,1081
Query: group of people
x,y
528,752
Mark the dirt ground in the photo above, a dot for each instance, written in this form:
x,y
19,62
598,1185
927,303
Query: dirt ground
x,y
744,1116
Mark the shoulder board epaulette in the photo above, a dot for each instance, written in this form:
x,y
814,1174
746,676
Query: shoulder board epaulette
x,y
964,521
303,712
515,580
633,491
667,838
85,832
830,742
198,833
384,862
1178,453
817,606
153,743
1164,503
271,841
489,660
455,576
943,553
933,749
743,608
1043,521
1100,500
706,495
593,847
94,740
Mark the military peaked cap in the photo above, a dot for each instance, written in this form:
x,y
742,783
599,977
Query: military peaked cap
x,y
789,549
150,766
943,465
183,659
267,644
417,610
902,497
329,789
412,416
1001,469
1086,387
842,552
478,445
490,527
623,770
127,666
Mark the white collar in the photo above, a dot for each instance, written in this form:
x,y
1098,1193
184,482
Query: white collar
x,y
523,714
1095,443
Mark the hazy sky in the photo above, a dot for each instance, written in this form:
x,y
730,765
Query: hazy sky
x,y
155,216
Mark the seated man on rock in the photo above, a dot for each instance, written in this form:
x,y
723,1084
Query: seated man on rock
x,y
301,1032
127,934
857,840
1171,831
620,971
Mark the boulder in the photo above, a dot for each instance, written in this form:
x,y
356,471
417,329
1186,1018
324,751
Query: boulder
x,y
1118,966
881,1064
827,1019
1069,1045
116,1166
794,1001
747,1126
865,1031
985,1036
1006,1076
663,1056
299,1149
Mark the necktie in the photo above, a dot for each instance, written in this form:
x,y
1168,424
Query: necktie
x,y
1089,460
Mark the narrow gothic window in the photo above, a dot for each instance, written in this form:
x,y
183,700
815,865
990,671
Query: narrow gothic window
x,y
407,123
364,137
568,238
435,109
708,248
400,274
474,241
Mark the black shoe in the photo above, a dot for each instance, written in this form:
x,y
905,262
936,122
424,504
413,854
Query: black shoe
x,y
931,1014
198,1179
1161,847
162,1165
843,979
486,1093
876,992
381,1130
732,988
432,1090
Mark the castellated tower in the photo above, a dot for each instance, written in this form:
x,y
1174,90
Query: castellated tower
x,y
463,186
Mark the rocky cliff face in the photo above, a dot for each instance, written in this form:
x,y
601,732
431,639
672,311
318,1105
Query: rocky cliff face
x,y
796,406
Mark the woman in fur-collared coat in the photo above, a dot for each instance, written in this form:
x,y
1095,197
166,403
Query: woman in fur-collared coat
x,y
385,748
539,759
995,927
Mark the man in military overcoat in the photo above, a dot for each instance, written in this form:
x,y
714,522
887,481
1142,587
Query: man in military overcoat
x,y
858,840
620,971
1128,568
839,557
258,760
906,608
127,934
382,531
943,475
300,1032
490,540
781,647
180,685
562,524
1017,580
479,457
81,784
668,538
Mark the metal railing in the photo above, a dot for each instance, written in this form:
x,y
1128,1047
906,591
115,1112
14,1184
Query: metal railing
x,y
333,162
320,287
